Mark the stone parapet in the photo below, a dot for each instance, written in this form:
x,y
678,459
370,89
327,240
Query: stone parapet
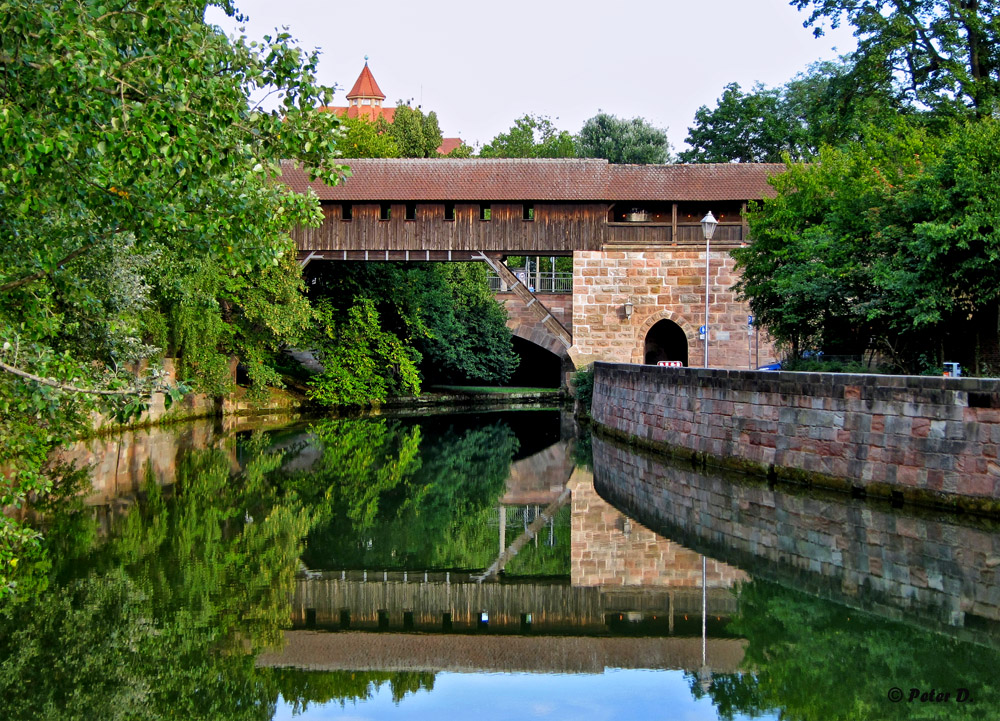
x,y
929,440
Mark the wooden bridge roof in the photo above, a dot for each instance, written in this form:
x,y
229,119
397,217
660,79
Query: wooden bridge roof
x,y
557,180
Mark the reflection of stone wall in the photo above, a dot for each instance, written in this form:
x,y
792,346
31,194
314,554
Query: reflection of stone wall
x,y
897,564
609,549
119,461
539,478
933,439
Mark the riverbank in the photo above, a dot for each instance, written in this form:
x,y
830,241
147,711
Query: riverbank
x,y
292,403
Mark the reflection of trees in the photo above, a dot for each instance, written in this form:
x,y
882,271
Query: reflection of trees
x,y
160,621
820,661
382,505
541,559
302,688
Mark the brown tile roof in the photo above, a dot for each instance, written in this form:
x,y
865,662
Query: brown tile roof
x,y
384,179
365,86
449,144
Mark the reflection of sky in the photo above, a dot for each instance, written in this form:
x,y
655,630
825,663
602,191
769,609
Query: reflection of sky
x,y
626,695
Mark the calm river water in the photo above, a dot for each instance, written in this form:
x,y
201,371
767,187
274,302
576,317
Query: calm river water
x,y
487,565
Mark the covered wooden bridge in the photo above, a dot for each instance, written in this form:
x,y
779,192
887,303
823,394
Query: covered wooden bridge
x,y
633,231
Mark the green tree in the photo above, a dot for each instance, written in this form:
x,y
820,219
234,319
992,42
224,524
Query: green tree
x,y
366,139
622,141
749,127
364,364
531,136
886,245
945,53
443,313
824,105
432,135
129,132
416,136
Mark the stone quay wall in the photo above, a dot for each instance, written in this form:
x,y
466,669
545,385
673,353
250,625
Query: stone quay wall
x,y
923,439
905,565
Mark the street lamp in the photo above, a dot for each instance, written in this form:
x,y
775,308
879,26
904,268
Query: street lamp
x,y
708,224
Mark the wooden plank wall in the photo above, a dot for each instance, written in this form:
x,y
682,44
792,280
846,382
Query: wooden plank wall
x,y
557,228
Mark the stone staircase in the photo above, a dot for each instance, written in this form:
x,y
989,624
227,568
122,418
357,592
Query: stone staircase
x,y
535,306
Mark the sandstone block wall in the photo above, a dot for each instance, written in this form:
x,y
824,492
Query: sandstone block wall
x,y
611,550
661,284
935,440
896,563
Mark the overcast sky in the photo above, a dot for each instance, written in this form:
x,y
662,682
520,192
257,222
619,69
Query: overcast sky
x,y
481,65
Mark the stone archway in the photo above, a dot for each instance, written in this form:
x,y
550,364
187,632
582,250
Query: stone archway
x,y
672,340
549,345
665,341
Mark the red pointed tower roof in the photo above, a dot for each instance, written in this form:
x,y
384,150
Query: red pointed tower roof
x,y
365,86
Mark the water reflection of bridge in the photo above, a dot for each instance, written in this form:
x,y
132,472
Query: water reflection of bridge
x,y
452,602
361,651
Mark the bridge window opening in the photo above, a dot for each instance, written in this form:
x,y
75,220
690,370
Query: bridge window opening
x,y
449,211
641,212
446,621
346,212
383,619
666,341
408,620
345,618
310,618
484,620
527,212
384,211
525,622
484,212
411,211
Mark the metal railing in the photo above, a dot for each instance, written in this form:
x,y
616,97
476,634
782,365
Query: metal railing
x,y
545,283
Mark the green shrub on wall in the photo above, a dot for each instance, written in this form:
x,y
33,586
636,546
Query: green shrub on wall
x,y
583,387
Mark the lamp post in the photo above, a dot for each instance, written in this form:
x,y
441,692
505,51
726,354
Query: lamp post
x,y
708,224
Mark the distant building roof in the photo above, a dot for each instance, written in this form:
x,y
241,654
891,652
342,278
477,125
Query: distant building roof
x,y
387,179
368,97
365,86
449,144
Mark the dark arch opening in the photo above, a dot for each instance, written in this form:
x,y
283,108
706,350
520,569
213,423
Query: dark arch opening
x,y
666,341
539,368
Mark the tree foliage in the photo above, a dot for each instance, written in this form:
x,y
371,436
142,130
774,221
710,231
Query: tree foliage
x,y
823,106
622,141
363,364
888,245
364,138
945,54
531,136
415,135
129,144
443,316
